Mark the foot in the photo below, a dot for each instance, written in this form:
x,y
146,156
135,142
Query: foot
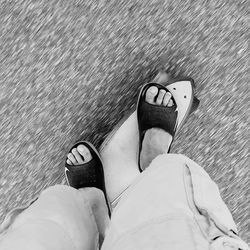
x,y
79,155
119,153
87,172
156,141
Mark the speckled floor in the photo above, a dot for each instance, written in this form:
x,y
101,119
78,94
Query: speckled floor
x,y
71,69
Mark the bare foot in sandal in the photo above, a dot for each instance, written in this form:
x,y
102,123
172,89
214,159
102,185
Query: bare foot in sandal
x,y
83,168
156,141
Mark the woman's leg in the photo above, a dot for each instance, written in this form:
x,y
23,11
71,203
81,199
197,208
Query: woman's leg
x,y
61,218
173,204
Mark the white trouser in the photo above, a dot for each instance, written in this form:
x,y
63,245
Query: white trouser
x,y
173,204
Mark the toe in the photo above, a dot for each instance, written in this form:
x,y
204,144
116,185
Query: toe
x,y
170,103
72,158
77,155
84,151
160,97
69,162
166,99
151,94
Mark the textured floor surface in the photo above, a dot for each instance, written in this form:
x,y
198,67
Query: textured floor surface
x,y
71,69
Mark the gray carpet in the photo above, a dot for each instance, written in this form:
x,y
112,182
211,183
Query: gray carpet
x,y
71,69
